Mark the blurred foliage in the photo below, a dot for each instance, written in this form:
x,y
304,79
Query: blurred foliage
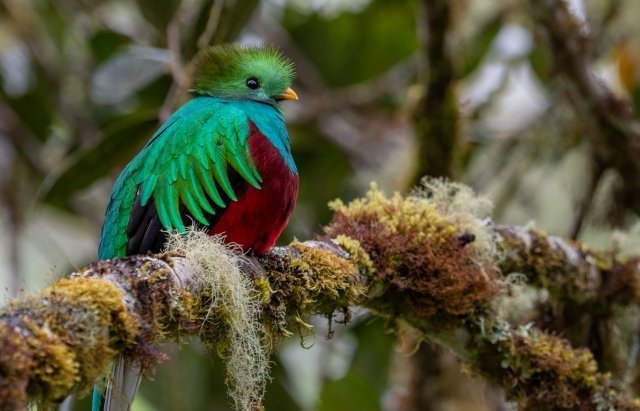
x,y
84,83
383,32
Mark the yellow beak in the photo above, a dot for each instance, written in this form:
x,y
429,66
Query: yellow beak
x,y
288,94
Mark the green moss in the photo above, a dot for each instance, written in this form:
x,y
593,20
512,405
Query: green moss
x,y
547,265
336,283
309,280
544,372
357,254
264,288
67,337
415,245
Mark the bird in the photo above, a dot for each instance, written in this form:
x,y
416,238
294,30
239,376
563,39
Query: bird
x,y
222,162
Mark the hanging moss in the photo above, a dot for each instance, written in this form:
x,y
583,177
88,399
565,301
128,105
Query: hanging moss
x,y
229,312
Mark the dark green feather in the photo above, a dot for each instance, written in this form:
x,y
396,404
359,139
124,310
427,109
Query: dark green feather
x,y
185,163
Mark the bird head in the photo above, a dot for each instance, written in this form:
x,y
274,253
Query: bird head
x,y
235,72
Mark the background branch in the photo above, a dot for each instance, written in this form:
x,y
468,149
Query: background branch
x,y
608,120
436,112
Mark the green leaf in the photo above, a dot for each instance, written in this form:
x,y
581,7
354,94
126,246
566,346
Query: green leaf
x,y
33,109
53,21
277,395
235,15
190,42
34,106
374,353
190,381
120,141
540,63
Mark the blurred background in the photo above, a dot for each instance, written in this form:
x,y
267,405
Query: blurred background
x,y
389,91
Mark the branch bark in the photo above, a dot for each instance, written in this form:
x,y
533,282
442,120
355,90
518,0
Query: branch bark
x,y
428,263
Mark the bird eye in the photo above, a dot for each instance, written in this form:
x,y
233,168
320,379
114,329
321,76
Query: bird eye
x,y
253,83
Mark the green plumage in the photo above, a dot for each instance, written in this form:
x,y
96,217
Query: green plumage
x,y
187,159
185,162
222,71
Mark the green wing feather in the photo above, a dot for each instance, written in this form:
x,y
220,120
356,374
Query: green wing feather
x,y
185,162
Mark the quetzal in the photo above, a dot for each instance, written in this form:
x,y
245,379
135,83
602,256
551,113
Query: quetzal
x,y
222,162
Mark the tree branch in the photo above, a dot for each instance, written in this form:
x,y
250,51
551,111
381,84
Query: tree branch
x,y
436,117
609,121
427,261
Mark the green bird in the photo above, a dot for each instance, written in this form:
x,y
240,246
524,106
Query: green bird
x,y
221,162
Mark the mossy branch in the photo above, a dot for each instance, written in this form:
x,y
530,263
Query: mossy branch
x,y
427,261
63,339
569,270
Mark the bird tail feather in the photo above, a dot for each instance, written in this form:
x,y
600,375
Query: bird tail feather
x,y
120,389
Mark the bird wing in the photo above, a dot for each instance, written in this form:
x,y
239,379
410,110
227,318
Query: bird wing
x,y
196,163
